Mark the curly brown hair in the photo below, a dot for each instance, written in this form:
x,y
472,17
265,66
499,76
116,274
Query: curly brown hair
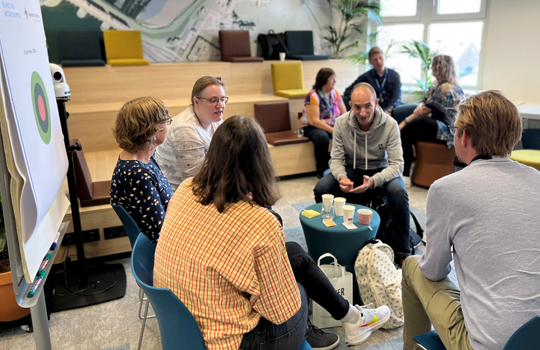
x,y
237,167
137,121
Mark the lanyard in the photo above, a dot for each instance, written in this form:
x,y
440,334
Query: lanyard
x,y
329,104
380,86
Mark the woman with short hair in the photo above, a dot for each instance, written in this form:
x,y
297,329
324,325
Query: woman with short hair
x,y
430,121
322,106
190,133
224,255
137,183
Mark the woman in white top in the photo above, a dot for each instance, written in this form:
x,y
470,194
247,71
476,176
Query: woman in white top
x,y
191,131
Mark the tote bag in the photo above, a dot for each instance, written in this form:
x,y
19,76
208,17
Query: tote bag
x,y
343,284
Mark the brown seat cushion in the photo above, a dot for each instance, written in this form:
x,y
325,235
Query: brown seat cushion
x,y
433,161
102,194
273,116
284,138
242,59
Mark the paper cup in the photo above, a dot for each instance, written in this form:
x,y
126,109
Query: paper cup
x,y
327,200
364,216
339,202
282,56
348,213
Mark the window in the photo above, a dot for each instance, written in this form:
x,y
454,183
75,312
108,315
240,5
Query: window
x,y
450,27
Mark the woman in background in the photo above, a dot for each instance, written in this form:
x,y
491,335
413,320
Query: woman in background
x,y
224,255
137,183
430,121
189,135
322,106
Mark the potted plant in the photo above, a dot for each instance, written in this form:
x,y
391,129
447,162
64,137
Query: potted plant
x,y
9,309
421,51
351,13
363,56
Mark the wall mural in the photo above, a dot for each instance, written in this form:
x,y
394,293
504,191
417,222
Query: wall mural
x,y
180,30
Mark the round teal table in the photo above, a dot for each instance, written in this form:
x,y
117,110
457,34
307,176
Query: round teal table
x,y
341,242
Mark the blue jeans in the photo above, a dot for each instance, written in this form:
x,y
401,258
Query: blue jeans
x,y
321,142
397,236
312,283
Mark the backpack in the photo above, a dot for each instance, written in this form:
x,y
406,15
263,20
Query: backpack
x,y
271,45
379,282
380,205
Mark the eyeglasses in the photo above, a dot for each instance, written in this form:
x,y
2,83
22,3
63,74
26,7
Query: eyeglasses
x,y
214,101
167,121
452,128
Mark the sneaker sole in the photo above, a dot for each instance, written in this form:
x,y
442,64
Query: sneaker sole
x,y
368,331
330,347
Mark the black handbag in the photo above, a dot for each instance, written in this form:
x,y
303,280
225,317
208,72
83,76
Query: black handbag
x,y
271,44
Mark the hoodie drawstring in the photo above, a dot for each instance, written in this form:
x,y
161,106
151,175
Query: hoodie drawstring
x,y
354,158
365,145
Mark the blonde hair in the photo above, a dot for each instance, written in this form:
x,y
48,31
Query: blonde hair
x,y
137,121
492,122
443,70
202,83
375,50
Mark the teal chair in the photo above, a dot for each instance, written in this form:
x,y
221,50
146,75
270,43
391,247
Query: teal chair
x,y
176,323
527,337
132,230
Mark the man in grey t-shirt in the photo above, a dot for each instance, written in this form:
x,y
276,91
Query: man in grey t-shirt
x,y
485,219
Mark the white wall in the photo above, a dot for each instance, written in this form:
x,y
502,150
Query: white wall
x,y
512,49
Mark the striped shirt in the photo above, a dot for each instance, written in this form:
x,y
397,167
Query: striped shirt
x,y
229,268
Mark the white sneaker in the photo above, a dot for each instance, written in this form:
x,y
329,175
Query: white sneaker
x,y
369,320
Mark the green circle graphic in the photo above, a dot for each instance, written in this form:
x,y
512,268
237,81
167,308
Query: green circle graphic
x,y
42,115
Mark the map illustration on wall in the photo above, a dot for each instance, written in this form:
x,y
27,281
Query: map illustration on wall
x,y
187,30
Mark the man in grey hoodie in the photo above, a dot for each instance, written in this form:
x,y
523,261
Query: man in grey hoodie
x,y
366,154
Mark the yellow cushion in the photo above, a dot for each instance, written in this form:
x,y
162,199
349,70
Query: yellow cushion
x,y
128,62
287,76
530,157
296,93
123,44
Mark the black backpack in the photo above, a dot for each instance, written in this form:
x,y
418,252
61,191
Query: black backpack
x,y
380,205
271,44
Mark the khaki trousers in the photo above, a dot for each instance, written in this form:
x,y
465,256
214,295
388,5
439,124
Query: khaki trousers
x,y
427,303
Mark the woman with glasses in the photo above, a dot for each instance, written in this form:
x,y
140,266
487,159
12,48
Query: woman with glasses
x,y
224,255
322,106
188,138
430,121
137,183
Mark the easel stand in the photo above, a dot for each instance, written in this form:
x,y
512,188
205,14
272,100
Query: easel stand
x,y
84,285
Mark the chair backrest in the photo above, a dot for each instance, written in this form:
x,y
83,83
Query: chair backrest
x,y
273,116
530,139
79,45
287,76
526,337
176,324
129,224
234,43
82,174
299,42
123,44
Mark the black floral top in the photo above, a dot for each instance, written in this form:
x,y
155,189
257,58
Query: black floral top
x,y
144,192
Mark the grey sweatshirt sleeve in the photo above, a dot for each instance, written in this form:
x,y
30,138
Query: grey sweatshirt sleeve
x,y
395,156
337,159
435,263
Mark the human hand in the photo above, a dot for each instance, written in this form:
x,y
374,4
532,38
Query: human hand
x,y
364,187
345,184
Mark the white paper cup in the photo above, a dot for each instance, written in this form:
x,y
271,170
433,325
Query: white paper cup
x,y
339,202
327,200
282,56
364,216
348,213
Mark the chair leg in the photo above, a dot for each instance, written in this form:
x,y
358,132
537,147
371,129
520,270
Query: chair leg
x,y
418,347
143,324
143,299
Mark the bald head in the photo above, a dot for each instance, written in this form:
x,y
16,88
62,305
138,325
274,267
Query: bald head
x,y
363,103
